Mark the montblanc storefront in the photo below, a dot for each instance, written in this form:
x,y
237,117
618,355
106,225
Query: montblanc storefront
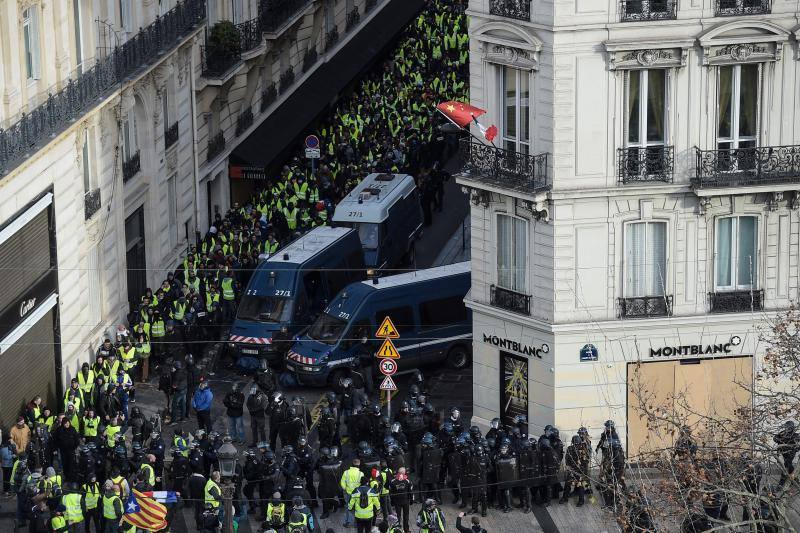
x,y
581,375
29,340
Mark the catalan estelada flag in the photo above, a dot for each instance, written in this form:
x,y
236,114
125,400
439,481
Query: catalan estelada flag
x,y
144,513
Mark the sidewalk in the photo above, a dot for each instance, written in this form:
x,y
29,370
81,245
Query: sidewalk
x,y
457,247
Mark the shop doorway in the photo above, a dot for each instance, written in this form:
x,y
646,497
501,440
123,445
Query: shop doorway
x,y
688,388
135,257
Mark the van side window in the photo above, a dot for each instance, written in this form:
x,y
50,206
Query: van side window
x,y
402,317
443,312
353,336
313,284
336,279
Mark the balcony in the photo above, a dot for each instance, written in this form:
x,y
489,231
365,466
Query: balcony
x,y
735,8
352,19
244,121
309,58
250,35
268,97
216,145
509,300
91,203
736,301
513,9
505,168
637,164
645,307
277,14
217,61
747,167
88,88
287,79
641,10
131,166
331,38
170,136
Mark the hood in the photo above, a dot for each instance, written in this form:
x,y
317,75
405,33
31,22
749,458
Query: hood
x,y
308,351
252,331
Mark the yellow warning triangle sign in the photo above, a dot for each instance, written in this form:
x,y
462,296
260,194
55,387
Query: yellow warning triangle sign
x,y
387,330
387,350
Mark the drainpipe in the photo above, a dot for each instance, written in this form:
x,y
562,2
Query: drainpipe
x,y
195,163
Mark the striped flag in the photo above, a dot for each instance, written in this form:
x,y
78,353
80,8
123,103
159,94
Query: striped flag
x,y
162,496
144,513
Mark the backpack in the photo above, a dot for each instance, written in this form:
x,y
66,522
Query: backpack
x,y
363,498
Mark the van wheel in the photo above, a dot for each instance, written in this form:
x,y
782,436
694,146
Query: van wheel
x,y
335,377
458,357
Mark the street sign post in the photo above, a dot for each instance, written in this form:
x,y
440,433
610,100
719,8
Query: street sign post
x,y
312,152
387,356
387,367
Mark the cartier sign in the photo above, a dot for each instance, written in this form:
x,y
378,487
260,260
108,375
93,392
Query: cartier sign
x,y
26,306
688,350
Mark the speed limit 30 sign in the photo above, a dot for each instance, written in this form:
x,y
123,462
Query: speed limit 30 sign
x,y
387,366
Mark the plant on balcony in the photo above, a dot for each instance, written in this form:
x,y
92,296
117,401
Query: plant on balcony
x,y
268,96
309,58
225,37
287,79
352,19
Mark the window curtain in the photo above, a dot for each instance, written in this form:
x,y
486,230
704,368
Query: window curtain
x,y
656,89
746,261
748,100
634,77
656,257
724,252
636,273
725,91
504,251
520,254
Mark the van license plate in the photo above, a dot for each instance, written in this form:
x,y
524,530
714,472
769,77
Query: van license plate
x,y
252,352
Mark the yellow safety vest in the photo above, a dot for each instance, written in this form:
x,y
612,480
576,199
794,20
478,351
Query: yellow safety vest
x,y
227,289
351,479
90,426
211,300
128,357
151,474
92,494
118,484
86,383
113,368
110,434
362,513
74,513
178,310
207,497
58,523
158,329
272,510
109,513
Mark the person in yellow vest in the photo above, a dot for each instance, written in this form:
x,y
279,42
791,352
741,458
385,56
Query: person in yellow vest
x,y
33,415
86,380
212,304
73,416
112,367
158,330
275,515
74,395
112,507
290,212
110,433
211,492
365,505
119,483
298,523
149,471
351,480
90,426
91,497
229,288
74,501
58,523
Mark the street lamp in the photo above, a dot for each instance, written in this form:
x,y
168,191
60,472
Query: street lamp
x,y
228,457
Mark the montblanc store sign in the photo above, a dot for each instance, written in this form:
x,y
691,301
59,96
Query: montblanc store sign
x,y
515,346
690,350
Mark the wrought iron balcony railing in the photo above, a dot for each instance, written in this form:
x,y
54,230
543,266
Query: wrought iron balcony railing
x,y
287,79
331,38
732,8
645,306
171,136
86,90
509,300
216,145
514,9
742,301
638,10
244,121
352,19
309,58
506,167
218,61
651,163
276,13
268,97
91,203
741,167
131,166
250,34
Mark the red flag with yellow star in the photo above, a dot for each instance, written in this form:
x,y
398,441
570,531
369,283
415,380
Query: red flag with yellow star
x,y
459,113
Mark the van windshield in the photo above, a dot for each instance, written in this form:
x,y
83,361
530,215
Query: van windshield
x,y
327,329
264,308
368,235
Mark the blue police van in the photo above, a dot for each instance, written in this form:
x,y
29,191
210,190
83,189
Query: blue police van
x,y
386,211
426,306
292,287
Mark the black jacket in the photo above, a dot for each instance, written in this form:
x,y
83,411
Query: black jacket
x,y
473,529
234,401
